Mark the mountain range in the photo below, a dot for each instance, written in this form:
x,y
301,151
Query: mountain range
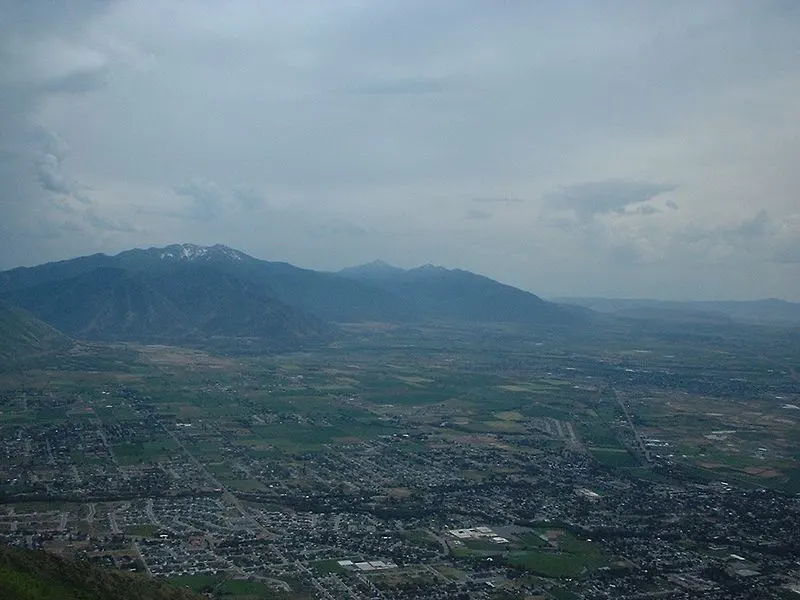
x,y
191,293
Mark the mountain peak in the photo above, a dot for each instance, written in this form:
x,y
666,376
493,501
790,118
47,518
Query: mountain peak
x,y
378,264
194,252
431,268
376,267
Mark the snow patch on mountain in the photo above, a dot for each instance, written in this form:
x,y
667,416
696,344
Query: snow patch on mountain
x,y
193,252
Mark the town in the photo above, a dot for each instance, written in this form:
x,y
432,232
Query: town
x,y
438,476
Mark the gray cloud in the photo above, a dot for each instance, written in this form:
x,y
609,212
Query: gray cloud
x,y
58,230
404,86
751,228
752,240
247,197
50,169
756,227
626,254
644,209
44,54
76,83
336,228
787,252
50,175
327,134
602,197
498,200
479,215
102,224
207,200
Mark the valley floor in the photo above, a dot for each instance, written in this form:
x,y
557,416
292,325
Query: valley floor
x,y
416,462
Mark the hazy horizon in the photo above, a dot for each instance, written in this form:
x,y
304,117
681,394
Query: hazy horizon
x,y
583,149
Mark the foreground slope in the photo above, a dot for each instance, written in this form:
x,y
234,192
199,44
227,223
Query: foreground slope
x,y
23,335
37,575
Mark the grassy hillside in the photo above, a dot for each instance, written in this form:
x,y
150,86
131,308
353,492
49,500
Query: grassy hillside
x,y
23,335
36,575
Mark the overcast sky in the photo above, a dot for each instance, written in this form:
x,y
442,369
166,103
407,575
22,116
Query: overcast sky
x,y
606,148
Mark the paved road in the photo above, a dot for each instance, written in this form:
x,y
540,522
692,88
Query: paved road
x,y
636,436
227,494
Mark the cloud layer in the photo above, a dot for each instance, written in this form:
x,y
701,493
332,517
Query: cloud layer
x,y
626,149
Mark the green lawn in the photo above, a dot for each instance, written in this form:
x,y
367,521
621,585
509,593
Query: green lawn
x,y
247,589
133,453
547,564
330,565
575,556
141,530
197,583
614,457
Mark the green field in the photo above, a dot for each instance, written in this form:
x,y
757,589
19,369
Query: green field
x,y
134,453
573,558
614,457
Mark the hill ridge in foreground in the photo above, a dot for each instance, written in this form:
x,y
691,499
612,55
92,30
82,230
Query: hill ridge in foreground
x,y
22,335
37,575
